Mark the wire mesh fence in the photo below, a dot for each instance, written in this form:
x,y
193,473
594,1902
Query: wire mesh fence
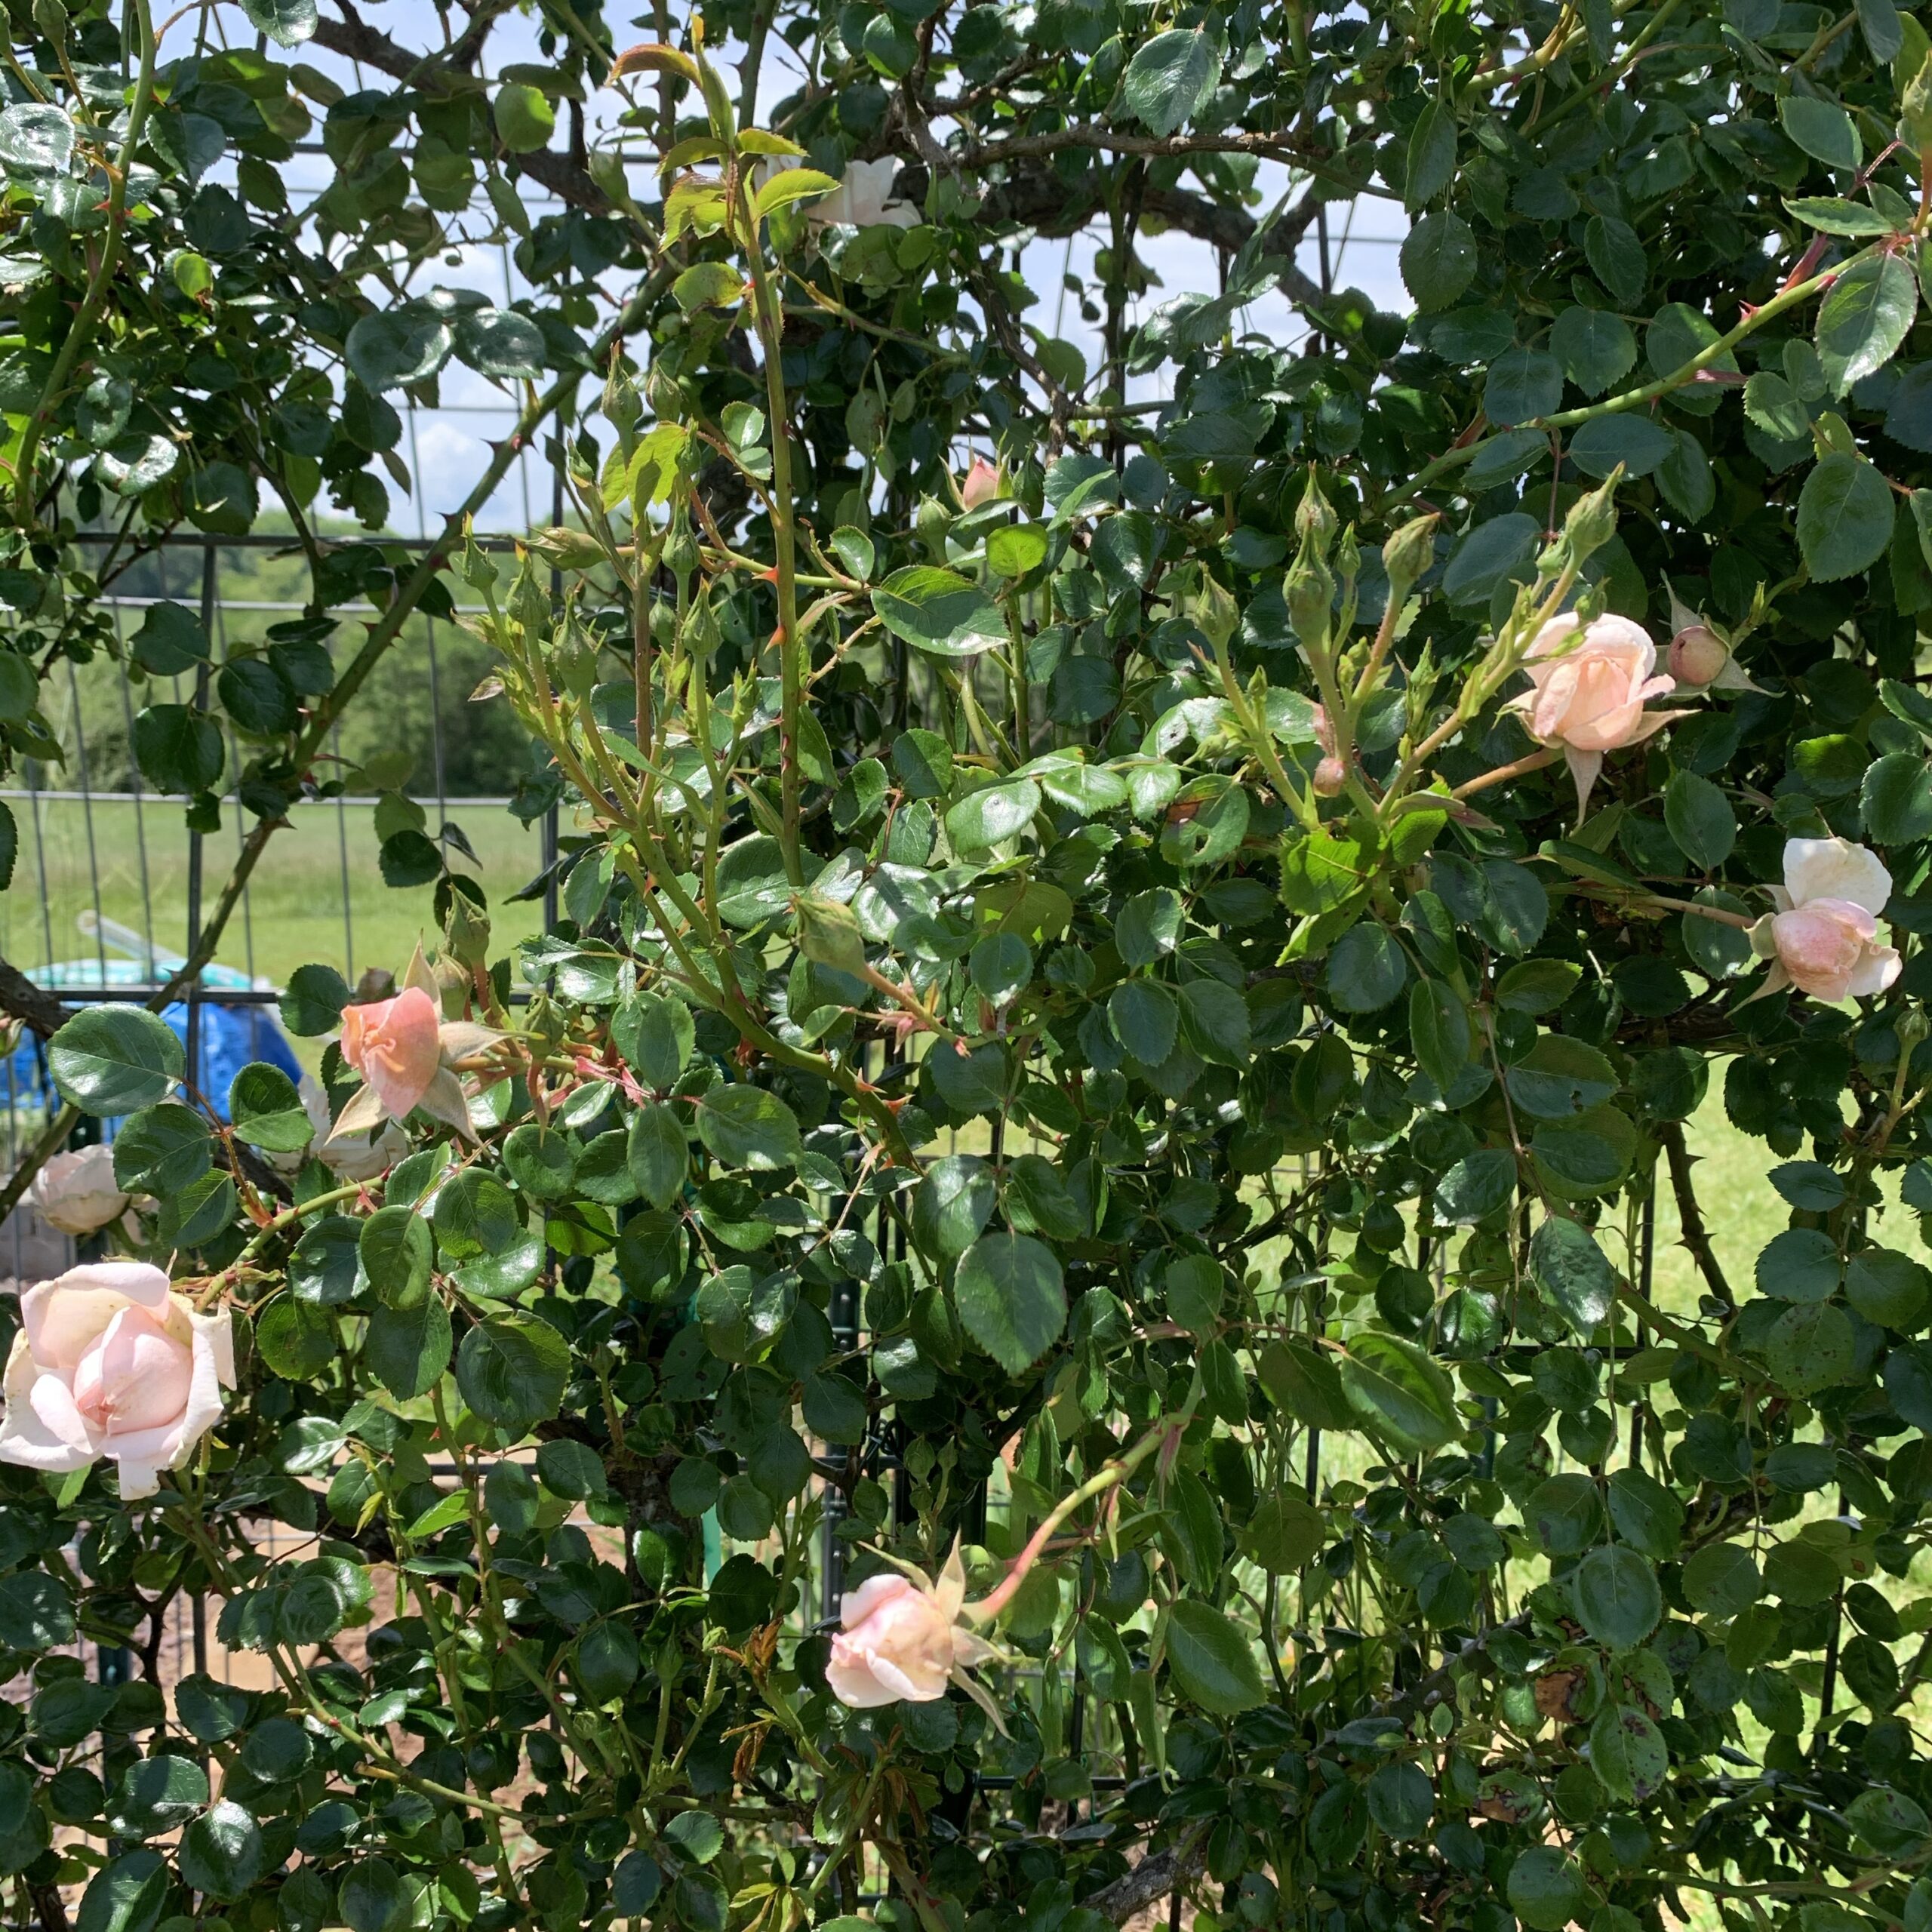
x,y
109,901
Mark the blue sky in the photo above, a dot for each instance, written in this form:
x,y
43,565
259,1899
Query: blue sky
x,y
445,447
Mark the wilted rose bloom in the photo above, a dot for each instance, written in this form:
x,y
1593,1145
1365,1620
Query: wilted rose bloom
x,y
395,1045
1823,934
76,1192
982,485
900,1638
1589,696
110,1361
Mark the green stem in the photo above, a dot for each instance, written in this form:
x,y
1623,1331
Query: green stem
x,y
1016,673
290,1215
80,332
1111,1473
769,319
1567,419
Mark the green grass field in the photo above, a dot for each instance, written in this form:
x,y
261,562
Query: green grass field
x,y
1742,1210
294,911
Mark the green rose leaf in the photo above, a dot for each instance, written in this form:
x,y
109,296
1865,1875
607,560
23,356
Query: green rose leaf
x,y
1213,1661
1011,1298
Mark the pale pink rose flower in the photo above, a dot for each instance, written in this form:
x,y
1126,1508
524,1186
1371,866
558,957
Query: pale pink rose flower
x,y
1822,936
76,1192
1588,696
901,1639
110,1361
982,485
395,1045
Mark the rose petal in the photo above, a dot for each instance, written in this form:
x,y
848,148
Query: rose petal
x,y
62,1317
26,1439
1875,972
1836,868
849,1673
135,1376
872,1596
54,1407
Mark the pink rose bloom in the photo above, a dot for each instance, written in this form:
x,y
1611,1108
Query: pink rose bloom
x,y
1588,697
76,1192
110,1361
396,1046
902,1639
1822,937
982,485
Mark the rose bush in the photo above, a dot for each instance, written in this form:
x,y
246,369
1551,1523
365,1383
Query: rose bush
x,y
1152,928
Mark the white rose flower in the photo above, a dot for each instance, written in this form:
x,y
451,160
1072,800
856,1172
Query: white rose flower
x,y
76,1192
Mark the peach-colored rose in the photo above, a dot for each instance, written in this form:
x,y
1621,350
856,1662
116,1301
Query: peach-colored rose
x,y
110,1361
983,484
901,1638
395,1046
1588,697
76,1192
1822,937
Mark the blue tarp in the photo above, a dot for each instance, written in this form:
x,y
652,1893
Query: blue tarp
x,y
229,1037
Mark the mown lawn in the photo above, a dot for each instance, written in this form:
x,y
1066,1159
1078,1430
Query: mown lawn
x,y
316,894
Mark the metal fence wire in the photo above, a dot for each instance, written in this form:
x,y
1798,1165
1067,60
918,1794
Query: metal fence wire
x,y
101,854
127,843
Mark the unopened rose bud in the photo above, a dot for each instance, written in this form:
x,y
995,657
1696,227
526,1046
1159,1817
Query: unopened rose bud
x,y
666,398
1698,655
1314,521
1330,779
932,520
982,484
829,934
1406,556
1591,522
1216,613
1310,592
